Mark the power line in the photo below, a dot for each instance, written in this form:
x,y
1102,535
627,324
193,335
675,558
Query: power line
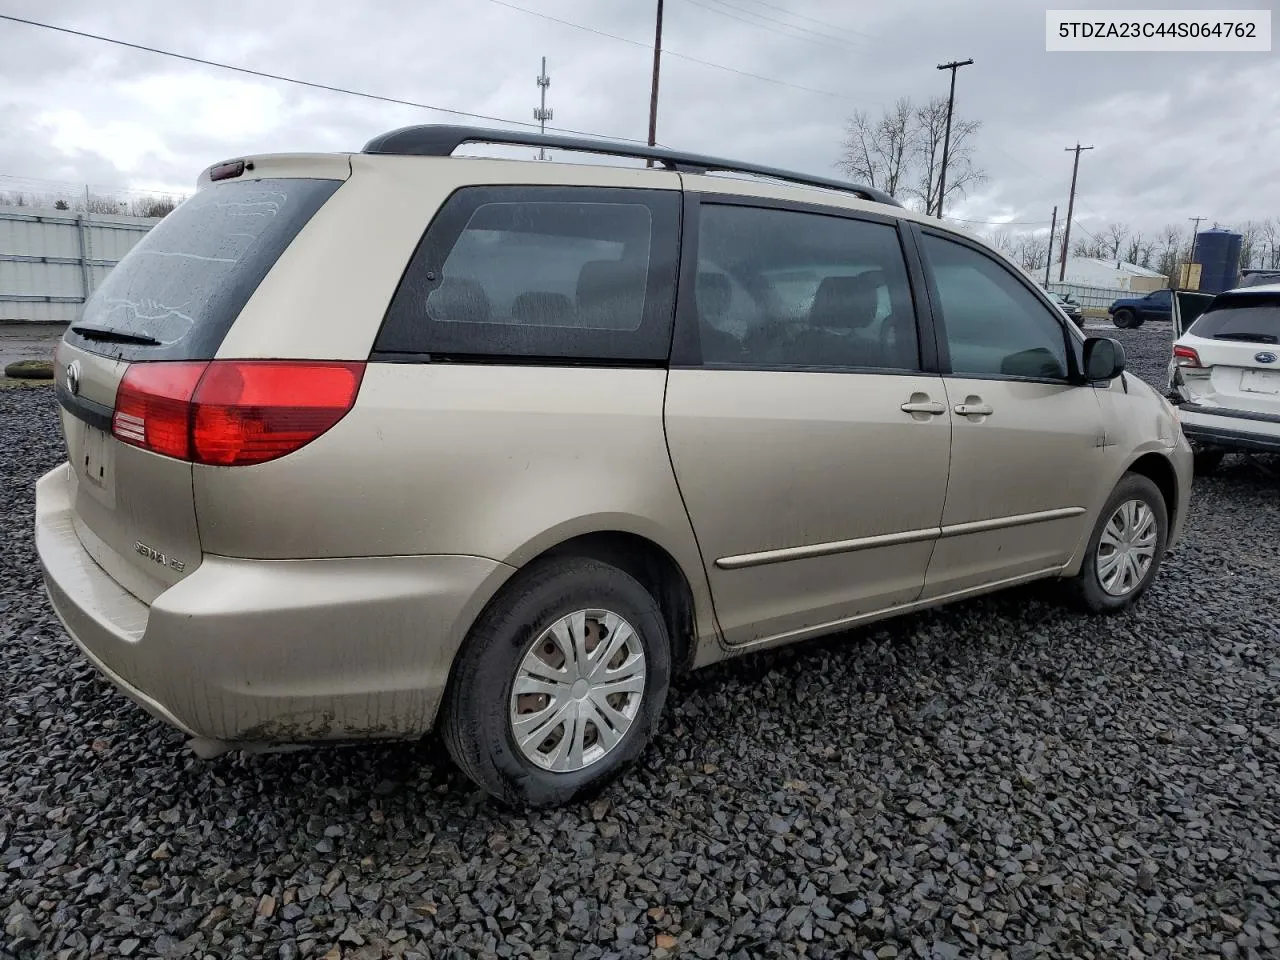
x,y
832,43
801,16
314,85
25,183
672,53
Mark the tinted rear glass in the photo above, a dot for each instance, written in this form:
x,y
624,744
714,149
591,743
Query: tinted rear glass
x,y
186,282
1260,279
1245,318
541,274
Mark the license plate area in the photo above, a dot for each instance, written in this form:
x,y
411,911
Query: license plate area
x,y
96,458
1260,381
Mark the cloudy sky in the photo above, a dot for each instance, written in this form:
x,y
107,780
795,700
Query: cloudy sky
x,y
1176,135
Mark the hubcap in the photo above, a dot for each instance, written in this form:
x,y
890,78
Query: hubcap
x,y
577,690
1127,548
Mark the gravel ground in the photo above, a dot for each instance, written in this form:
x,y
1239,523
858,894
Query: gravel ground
x,y
1001,779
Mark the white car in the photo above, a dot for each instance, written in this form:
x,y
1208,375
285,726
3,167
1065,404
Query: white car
x,y
1225,371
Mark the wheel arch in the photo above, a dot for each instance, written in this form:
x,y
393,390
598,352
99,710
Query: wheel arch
x,y
655,569
682,594
1157,468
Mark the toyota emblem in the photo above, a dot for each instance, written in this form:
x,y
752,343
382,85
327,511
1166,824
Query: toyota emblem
x,y
73,377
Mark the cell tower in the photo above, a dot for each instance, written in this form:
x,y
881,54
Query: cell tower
x,y
543,113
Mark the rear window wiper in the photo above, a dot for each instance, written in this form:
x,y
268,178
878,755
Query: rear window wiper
x,y
1248,337
115,336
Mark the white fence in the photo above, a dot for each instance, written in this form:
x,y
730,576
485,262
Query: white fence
x,y
1088,296
52,260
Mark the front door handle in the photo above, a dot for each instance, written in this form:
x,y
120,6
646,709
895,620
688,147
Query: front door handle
x,y
972,409
924,406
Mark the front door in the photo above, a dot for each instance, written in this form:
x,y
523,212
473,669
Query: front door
x,y
1027,437
809,444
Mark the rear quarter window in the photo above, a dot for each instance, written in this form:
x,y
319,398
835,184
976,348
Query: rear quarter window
x,y
188,279
540,273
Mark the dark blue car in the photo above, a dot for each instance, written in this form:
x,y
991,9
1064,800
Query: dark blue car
x,y
1129,312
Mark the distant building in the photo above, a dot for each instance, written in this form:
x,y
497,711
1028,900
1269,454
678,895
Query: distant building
x,y
1114,274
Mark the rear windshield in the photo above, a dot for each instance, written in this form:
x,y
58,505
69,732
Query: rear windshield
x,y
1250,319
175,295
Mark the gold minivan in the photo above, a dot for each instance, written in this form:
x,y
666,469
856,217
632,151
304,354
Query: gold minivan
x,y
365,445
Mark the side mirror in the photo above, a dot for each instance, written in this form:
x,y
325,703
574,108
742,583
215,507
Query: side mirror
x,y
1103,359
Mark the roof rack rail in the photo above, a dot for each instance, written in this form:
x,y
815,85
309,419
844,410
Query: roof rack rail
x,y
441,140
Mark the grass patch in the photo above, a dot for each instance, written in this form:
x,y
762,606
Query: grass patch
x,y
30,370
13,383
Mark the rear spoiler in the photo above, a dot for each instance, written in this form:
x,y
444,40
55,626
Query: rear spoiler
x,y
317,166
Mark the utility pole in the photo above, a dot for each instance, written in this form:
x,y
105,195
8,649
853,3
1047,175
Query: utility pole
x,y
1195,237
653,89
1053,226
946,140
542,113
1071,205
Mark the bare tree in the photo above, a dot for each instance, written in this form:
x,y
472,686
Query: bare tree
x,y
1091,247
1169,249
1031,251
1114,234
153,207
1139,250
1002,239
1270,242
879,152
901,151
962,172
98,204
1252,245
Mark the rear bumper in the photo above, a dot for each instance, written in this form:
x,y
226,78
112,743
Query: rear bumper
x,y
1230,429
271,651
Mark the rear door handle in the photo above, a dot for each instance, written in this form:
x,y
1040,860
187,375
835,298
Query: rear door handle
x,y
973,409
924,406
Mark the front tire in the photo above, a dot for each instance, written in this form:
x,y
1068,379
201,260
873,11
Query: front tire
x,y
1125,319
560,684
1126,549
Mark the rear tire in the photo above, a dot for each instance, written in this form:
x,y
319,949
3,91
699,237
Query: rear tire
x,y
1125,319
1116,570
512,641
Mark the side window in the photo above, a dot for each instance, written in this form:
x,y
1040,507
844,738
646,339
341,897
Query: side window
x,y
541,272
994,326
779,289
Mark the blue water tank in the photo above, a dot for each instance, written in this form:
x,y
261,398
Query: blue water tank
x,y
1218,253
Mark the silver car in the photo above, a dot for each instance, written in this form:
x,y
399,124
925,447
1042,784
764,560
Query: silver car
x,y
366,445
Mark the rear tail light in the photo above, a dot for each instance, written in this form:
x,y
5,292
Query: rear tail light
x,y
232,412
1186,357
153,407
